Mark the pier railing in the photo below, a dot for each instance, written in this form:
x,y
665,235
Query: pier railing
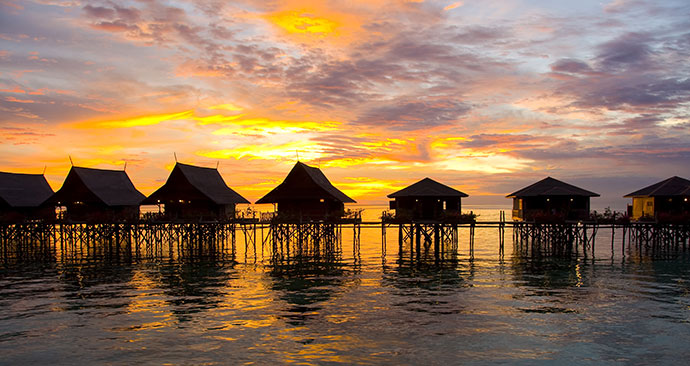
x,y
37,240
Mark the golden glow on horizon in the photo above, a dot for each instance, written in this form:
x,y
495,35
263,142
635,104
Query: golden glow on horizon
x,y
233,124
349,162
287,151
368,188
137,121
227,107
268,126
482,163
446,142
386,143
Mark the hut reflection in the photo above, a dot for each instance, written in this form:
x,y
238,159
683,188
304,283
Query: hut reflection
x,y
555,285
309,275
193,287
100,284
428,288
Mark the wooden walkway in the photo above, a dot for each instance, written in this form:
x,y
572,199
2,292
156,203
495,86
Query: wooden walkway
x,y
189,241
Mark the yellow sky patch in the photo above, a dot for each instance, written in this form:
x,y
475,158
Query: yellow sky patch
x,y
348,162
232,124
265,125
365,188
137,121
288,151
227,107
304,22
314,21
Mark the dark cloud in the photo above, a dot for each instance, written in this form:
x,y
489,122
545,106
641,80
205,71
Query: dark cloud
x,y
99,12
631,50
500,141
480,35
414,114
571,66
338,83
649,150
629,74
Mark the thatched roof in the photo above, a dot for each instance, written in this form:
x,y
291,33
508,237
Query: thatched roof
x,y
24,190
305,182
674,186
111,187
427,187
205,181
552,187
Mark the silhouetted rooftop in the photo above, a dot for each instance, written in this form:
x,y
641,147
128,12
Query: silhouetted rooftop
x,y
674,186
24,190
112,187
305,182
427,187
551,187
207,181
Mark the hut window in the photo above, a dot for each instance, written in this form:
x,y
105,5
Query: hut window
x,y
322,200
444,205
670,199
181,201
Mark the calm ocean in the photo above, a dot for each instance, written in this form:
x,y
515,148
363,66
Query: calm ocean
x,y
359,306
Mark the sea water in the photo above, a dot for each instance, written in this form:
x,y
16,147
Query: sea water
x,y
364,306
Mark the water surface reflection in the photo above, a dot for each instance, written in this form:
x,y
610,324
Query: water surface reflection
x,y
348,307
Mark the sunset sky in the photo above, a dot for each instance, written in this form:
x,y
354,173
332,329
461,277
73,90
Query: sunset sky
x,y
485,96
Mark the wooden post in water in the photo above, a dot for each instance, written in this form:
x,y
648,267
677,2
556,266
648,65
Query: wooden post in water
x,y
623,240
418,240
437,242
613,235
472,240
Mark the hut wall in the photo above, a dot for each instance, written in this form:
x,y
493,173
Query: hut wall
x,y
426,208
100,213
670,207
552,207
20,214
199,210
518,213
312,209
643,207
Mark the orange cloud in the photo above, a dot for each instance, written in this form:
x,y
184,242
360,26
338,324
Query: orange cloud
x,y
14,89
15,100
453,6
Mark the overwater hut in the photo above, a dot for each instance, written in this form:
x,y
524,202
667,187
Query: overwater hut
x,y
666,200
307,195
427,200
98,195
22,196
551,199
196,193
